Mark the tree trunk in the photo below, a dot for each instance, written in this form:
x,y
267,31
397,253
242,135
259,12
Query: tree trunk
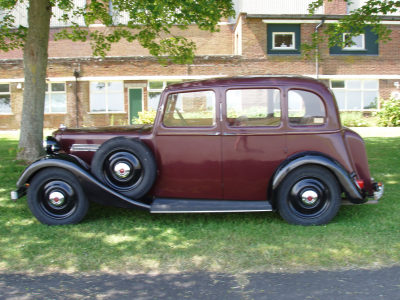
x,y
35,65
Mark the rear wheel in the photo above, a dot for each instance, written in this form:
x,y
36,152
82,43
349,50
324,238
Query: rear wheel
x,y
55,197
309,195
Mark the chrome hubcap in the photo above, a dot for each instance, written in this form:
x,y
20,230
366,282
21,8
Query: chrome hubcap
x,y
122,170
309,197
56,198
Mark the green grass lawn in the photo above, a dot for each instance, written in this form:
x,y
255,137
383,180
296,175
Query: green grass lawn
x,y
121,240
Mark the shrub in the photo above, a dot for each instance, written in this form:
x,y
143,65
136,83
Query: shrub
x,y
355,119
389,114
145,117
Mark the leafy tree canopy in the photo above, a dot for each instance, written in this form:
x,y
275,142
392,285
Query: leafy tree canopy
x,y
150,23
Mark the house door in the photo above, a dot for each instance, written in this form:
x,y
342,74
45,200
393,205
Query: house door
x,y
135,103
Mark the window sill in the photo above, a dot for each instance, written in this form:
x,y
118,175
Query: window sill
x,y
6,114
107,113
55,113
355,50
351,53
284,49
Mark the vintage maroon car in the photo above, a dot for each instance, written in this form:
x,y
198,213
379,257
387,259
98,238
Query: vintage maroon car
x,y
242,144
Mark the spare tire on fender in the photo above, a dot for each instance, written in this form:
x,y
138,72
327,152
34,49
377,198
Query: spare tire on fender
x,y
125,165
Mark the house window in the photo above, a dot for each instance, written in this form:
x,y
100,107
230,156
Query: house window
x,y
154,89
365,44
284,40
5,99
355,94
106,96
358,40
55,100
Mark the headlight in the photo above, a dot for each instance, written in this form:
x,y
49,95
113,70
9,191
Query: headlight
x,y
51,145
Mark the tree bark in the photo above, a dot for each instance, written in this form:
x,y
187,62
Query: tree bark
x,y
35,66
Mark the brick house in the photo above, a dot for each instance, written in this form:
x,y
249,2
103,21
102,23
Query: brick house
x,y
264,38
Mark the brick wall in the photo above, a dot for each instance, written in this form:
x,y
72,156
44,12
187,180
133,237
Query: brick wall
x,y
335,7
215,57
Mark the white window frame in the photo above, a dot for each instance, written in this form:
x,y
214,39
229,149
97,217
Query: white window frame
x,y
284,48
107,97
362,89
150,90
50,92
7,93
354,47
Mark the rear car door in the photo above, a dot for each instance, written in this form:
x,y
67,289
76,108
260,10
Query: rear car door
x,y
253,141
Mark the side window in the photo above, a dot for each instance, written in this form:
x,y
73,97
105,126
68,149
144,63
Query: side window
x,y
283,39
364,44
305,108
56,98
194,109
5,103
253,107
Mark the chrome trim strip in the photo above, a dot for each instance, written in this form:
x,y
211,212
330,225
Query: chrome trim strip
x,y
85,147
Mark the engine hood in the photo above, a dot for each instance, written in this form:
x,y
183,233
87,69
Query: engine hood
x,y
84,141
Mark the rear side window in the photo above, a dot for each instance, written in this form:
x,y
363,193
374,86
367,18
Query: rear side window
x,y
253,107
193,109
305,108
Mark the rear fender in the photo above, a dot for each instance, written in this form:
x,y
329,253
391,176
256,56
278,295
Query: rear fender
x,y
92,188
353,193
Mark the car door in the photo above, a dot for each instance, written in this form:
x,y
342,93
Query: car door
x,y
253,141
189,146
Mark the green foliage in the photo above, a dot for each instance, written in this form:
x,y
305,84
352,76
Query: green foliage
x,y
10,39
389,114
150,24
145,117
353,24
355,119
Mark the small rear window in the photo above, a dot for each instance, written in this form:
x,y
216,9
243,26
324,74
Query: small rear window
x,y
305,108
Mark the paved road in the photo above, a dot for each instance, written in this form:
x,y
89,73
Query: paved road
x,y
354,284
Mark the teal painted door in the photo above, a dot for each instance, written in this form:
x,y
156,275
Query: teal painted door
x,y
135,103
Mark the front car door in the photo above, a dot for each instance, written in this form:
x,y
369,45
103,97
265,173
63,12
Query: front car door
x,y
188,142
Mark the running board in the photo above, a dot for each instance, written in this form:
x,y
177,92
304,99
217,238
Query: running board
x,y
169,205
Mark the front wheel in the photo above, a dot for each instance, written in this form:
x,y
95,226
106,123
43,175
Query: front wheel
x,y
55,197
309,195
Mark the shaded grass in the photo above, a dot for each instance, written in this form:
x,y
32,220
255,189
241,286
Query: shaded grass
x,y
113,239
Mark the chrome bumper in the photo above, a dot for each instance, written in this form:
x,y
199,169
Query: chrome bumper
x,y
15,195
378,194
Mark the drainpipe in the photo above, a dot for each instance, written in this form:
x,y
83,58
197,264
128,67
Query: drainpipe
x,y
316,50
76,74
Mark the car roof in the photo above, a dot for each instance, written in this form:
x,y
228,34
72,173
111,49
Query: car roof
x,y
255,80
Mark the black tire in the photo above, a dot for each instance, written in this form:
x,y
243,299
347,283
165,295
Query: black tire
x,y
55,197
138,166
309,195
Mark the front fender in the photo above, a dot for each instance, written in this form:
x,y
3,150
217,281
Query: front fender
x,y
353,194
93,189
